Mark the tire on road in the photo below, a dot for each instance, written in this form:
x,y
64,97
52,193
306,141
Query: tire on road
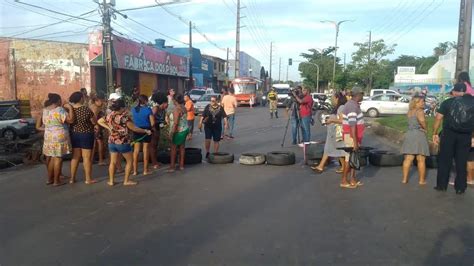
x,y
164,157
281,158
221,158
9,134
382,158
192,158
314,151
431,161
192,151
252,159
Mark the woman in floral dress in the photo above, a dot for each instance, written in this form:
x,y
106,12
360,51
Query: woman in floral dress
x,y
119,123
56,135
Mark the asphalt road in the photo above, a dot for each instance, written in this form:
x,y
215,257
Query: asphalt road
x,y
236,215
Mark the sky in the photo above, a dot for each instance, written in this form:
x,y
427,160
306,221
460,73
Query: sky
x,y
416,26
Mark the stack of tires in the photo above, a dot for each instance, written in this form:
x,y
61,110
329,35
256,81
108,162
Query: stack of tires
x,y
314,153
191,156
385,159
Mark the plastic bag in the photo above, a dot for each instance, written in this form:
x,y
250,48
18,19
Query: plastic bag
x,y
354,161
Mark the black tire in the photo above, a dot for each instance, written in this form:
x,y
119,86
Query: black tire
x,y
192,158
221,158
9,134
192,151
164,157
372,112
26,136
363,160
431,162
314,151
386,159
281,158
252,159
67,157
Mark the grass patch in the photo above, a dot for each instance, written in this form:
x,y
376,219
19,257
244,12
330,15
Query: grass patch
x,y
400,123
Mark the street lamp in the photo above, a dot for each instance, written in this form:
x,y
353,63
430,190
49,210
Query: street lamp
x,y
336,24
317,72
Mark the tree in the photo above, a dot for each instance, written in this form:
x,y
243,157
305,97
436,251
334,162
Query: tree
x,y
324,60
443,48
367,71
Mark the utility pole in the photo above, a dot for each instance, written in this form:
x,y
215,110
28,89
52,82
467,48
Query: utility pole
x,y
237,43
107,46
279,70
271,61
368,61
227,65
464,37
287,66
191,79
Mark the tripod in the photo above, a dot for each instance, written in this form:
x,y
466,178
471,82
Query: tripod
x,y
296,115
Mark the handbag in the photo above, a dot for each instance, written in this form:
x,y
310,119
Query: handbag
x,y
338,132
354,161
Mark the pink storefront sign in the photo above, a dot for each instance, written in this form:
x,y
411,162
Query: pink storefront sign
x,y
145,58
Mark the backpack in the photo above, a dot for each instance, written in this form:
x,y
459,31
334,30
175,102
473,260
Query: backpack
x,y
460,116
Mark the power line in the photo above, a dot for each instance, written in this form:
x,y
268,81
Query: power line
x,y
56,12
394,14
418,22
155,31
70,20
407,22
186,22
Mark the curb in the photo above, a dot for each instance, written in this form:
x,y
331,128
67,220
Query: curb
x,y
396,136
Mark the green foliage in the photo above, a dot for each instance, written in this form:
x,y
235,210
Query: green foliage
x,y
400,123
377,72
325,60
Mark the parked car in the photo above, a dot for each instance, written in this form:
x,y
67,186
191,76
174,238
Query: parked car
x,y
13,128
204,101
382,91
385,104
195,94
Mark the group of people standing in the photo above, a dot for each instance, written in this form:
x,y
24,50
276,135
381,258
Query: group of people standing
x,y
82,125
455,142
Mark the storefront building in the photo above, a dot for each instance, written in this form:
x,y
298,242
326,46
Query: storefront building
x,y
219,75
202,68
137,65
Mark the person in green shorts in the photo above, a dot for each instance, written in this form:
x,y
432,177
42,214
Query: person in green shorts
x,y
178,132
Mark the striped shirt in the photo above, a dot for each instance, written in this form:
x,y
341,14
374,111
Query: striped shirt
x,y
353,117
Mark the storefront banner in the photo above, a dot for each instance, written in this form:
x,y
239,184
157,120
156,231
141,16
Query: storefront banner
x,y
145,58
95,48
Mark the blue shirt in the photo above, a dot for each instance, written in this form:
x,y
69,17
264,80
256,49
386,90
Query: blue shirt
x,y
142,117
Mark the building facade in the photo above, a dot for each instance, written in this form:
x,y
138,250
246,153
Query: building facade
x,y
202,68
440,77
219,78
137,65
249,67
30,69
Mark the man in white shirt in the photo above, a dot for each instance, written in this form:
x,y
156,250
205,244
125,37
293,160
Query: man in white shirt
x,y
229,102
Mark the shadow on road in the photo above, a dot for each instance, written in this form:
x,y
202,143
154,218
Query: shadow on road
x,y
455,246
175,244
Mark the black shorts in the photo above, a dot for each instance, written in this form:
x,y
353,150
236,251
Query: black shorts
x,y
213,132
191,126
142,137
82,140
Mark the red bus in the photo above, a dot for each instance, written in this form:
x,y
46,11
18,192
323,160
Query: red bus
x,y
245,88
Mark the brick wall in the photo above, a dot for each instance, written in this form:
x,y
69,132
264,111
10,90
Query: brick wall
x,y
43,67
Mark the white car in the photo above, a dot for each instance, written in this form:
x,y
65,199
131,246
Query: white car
x,y
195,94
201,104
385,104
